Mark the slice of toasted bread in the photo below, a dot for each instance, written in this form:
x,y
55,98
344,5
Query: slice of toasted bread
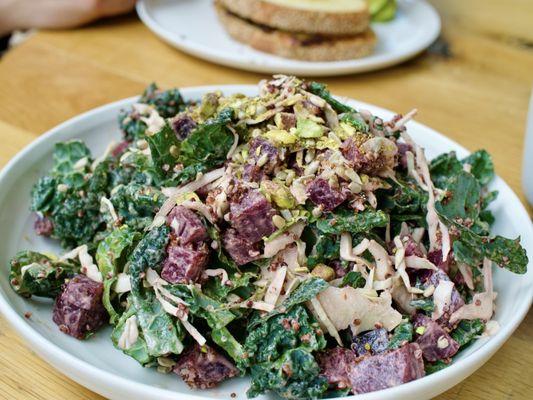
x,y
327,17
298,46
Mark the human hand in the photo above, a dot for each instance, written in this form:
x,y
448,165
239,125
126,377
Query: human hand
x,y
25,14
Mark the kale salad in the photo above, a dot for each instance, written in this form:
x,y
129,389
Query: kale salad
x,y
286,236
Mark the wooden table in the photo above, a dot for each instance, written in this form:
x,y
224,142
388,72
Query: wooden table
x,y
474,87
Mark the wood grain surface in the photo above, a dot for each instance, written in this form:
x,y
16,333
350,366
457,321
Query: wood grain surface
x,y
472,85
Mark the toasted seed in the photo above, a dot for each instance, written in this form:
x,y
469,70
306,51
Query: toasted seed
x,y
278,221
262,160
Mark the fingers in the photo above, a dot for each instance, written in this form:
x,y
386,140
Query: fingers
x,y
61,13
106,8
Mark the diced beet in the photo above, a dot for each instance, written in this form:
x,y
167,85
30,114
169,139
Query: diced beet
x,y
202,367
78,309
184,263
120,148
340,271
435,257
187,227
411,247
183,125
386,370
251,215
353,155
373,157
258,148
43,226
372,342
239,249
435,342
322,194
403,148
456,301
252,173
335,365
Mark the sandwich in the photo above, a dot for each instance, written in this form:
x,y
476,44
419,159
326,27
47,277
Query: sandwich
x,y
312,30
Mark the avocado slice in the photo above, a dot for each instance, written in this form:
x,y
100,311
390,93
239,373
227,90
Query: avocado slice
x,y
386,13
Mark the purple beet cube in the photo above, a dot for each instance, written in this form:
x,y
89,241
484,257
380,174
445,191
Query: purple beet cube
x,y
203,367
78,309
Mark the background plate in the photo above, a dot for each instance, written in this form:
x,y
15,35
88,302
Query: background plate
x,y
97,365
192,26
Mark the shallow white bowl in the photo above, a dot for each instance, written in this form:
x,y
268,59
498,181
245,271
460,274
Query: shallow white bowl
x,y
193,27
97,365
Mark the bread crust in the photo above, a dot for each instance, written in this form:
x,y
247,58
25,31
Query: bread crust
x,y
299,20
297,46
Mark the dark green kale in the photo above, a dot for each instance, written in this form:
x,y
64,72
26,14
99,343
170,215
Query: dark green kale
x,y
305,291
467,331
462,208
224,339
295,375
321,90
185,175
65,196
280,353
77,219
404,201
424,304
134,167
70,195
356,121
241,284
354,279
136,204
402,334
205,148
462,201
443,167
149,253
139,349
167,103
209,143
471,248
67,155
481,166
131,125
158,327
35,274
112,252
343,220
211,310
165,150
431,368
326,248
447,165
216,315
111,257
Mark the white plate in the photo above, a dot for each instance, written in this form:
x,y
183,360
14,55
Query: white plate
x,y
97,365
192,26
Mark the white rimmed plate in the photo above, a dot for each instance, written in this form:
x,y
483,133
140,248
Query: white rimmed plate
x,y
193,27
97,365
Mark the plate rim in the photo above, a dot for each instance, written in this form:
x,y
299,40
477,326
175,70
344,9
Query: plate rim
x,y
305,68
108,382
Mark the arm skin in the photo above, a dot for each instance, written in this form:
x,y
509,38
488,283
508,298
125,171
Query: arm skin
x,y
57,14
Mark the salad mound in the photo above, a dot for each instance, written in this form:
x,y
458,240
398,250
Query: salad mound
x,y
285,236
